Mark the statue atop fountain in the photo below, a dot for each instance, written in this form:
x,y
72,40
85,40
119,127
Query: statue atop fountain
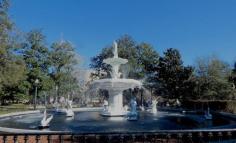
x,y
115,85
115,62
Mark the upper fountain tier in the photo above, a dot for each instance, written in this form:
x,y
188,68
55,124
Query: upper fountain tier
x,y
115,62
116,83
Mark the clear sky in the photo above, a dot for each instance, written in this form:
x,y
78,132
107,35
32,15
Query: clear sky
x,y
196,27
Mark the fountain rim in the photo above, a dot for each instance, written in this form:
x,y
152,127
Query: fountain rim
x,y
6,130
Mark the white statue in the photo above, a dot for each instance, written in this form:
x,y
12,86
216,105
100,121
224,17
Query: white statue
x,y
208,115
105,105
45,121
142,108
178,103
133,105
133,115
154,106
69,111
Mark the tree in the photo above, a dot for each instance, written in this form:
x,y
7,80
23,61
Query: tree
x,y
12,69
233,77
172,75
35,54
63,61
147,60
212,77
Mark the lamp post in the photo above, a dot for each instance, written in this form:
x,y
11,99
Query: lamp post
x,y
36,92
142,96
56,97
56,93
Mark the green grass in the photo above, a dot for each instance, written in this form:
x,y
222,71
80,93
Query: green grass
x,y
14,108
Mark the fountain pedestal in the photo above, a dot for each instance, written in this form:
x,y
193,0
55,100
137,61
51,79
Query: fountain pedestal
x,y
115,107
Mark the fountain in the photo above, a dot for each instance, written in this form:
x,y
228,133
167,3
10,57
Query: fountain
x,y
45,121
88,122
115,85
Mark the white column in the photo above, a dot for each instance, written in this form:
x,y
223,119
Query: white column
x,y
116,102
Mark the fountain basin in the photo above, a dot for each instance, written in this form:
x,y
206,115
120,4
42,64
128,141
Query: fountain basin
x,y
90,121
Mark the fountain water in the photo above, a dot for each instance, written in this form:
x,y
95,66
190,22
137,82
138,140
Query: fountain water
x,y
115,85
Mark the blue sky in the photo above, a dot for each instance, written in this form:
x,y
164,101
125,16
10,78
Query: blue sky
x,y
197,28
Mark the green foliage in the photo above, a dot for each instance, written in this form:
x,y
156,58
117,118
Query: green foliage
x,y
26,58
172,75
212,79
5,28
35,54
63,61
12,69
233,76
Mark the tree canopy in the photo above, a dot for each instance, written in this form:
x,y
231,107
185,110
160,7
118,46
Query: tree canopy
x,y
172,76
212,78
27,56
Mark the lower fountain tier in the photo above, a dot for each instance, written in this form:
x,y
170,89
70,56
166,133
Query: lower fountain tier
x,y
115,106
115,88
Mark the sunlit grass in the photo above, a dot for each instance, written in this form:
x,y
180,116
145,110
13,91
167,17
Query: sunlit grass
x,y
14,108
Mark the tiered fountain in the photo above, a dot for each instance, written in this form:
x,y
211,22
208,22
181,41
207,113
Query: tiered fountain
x,y
115,85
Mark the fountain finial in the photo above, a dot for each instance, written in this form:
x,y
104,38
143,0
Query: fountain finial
x,y
115,50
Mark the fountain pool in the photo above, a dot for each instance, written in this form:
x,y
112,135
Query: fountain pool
x,y
91,121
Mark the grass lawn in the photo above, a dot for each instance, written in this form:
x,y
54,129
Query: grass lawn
x,y
14,108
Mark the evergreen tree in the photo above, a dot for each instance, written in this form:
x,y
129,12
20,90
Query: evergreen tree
x,y
63,61
172,75
36,54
